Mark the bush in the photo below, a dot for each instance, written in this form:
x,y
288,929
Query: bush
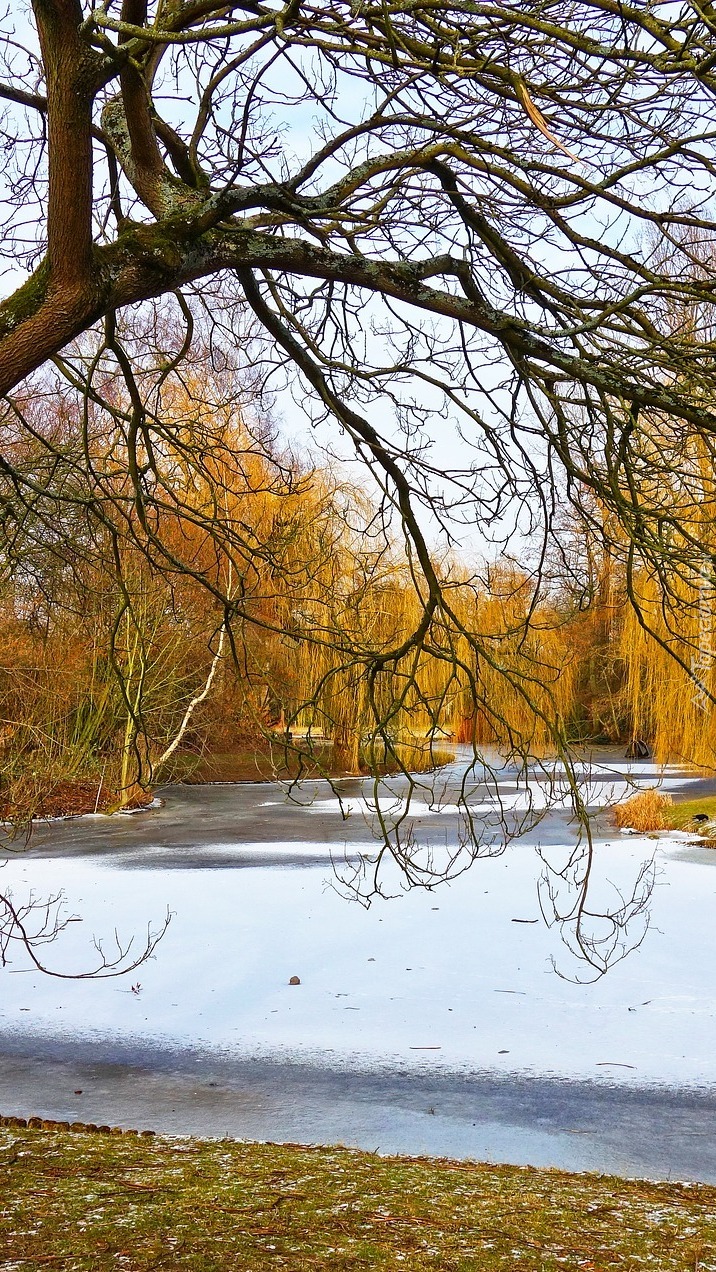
x,y
644,811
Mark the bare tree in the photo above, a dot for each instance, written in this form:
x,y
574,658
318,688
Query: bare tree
x,y
408,214
509,199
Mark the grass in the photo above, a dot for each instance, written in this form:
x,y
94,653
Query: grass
x,y
85,1202
681,815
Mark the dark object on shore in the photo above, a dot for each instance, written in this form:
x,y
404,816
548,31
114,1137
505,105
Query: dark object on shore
x,y
700,818
637,750
295,980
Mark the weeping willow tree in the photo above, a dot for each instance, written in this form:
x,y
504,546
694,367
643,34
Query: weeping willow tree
x,y
669,630
647,524
665,702
528,681
414,700
105,655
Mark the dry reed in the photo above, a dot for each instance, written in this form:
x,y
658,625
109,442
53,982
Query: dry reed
x,y
644,811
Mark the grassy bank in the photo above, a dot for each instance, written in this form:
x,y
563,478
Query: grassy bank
x,y
88,1202
681,815
652,810
67,798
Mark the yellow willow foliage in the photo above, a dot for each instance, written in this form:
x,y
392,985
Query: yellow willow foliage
x,y
519,664
364,611
115,648
669,655
527,673
665,704
319,601
322,616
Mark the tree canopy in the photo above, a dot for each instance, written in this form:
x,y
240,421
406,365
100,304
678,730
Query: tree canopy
x,y
516,200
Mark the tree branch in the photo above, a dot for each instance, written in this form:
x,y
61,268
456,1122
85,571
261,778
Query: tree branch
x,y
70,70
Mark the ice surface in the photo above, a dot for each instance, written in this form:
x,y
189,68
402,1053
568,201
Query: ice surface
x,y
455,979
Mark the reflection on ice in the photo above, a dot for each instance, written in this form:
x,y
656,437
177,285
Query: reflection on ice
x,y
391,808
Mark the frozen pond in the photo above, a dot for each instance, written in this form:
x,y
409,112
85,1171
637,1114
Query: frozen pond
x,y
431,1022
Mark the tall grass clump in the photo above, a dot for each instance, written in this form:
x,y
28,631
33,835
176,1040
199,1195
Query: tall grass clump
x,y
645,811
